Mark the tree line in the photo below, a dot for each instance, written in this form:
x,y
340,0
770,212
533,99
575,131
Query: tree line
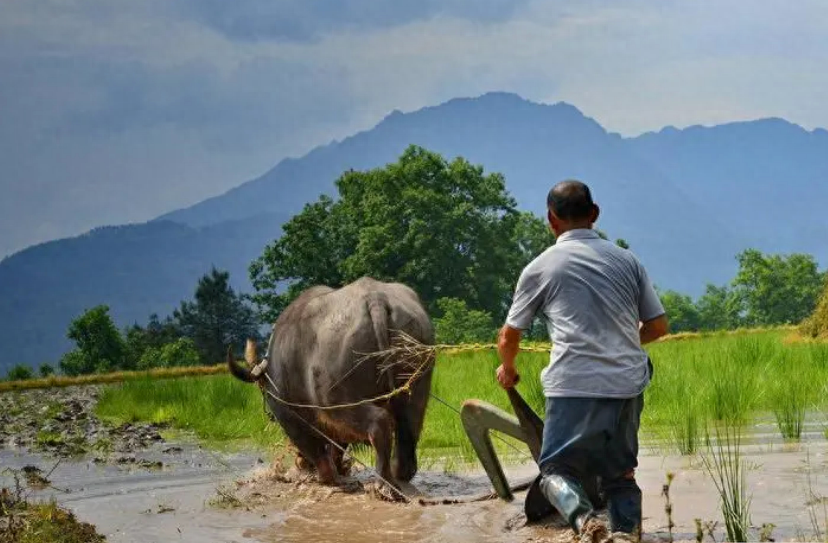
x,y
768,290
447,229
197,333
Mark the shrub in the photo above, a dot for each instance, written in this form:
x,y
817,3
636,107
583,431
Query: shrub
x,y
817,324
181,352
459,324
20,373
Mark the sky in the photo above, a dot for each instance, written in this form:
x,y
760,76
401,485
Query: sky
x,y
115,112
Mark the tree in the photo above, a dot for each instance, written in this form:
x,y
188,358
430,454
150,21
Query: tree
x,y
681,312
100,347
180,353
459,324
719,308
46,370
218,318
20,373
621,242
154,336
443,228
777,289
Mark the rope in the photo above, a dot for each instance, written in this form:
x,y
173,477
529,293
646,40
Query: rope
x,y
406,388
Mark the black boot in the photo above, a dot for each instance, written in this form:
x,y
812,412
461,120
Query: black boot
x,y
624,506
568,498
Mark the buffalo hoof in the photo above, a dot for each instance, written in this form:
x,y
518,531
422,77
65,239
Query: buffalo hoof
x,y
403,471
344,465
303,464
387,492
326,471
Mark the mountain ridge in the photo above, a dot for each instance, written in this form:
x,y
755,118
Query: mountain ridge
x,y
687,200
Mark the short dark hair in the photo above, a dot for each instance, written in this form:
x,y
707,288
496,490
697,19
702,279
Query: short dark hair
x,y
570,200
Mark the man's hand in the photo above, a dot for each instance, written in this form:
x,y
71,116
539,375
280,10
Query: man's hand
x,y
508,345
507,376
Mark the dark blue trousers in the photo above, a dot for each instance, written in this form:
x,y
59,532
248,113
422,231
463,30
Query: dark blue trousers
x,y
597,437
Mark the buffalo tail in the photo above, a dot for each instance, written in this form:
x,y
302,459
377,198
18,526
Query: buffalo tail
x,y
378,308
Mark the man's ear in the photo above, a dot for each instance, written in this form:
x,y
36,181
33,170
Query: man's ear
x,y
596,211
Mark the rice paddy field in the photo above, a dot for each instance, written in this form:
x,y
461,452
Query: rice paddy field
x,y
761,382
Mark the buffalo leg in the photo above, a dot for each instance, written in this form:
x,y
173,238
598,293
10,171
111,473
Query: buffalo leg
x,y
409,424
343,467
377,424
312,447
382,439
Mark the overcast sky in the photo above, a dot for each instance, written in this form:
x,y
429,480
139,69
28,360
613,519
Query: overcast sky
x,y
118,111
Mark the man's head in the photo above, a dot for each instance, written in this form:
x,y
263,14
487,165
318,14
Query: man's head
x,y
569,205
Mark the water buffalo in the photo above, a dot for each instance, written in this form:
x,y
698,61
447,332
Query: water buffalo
x,y
316,357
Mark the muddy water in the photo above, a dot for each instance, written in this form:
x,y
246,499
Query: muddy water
x,y
133,504
156,491
129,503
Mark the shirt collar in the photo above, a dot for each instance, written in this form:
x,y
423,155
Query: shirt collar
x,y
578,233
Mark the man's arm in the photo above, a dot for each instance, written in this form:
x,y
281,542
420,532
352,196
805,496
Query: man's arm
x,y
650,310
508,347
530,293
654,329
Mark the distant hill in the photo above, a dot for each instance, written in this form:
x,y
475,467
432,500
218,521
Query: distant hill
x,y
686,200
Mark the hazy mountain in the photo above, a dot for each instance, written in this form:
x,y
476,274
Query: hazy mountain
x,y
686,200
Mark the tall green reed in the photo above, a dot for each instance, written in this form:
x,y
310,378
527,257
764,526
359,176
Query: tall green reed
x,y
793,389
723,461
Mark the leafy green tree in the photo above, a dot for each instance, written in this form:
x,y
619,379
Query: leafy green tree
x,y
180,353
443,228
20,373
218,318
720,308
100,347
459,324
156,334
621,242
46,370
777,289
681,311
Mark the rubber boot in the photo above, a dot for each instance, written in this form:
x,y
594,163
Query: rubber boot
x,y
624,506
569,499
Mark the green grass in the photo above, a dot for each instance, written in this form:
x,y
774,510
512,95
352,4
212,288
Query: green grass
x,y
733,378
218,409
727,377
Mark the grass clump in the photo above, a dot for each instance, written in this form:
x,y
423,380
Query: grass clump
x,y
25,521
791,397
723,461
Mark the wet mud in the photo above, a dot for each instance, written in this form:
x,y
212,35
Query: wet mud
x,y
61,423
148,490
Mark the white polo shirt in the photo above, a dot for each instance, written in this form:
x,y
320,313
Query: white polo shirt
x,y
592,294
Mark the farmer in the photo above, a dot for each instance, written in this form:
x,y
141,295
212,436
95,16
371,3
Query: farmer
x,y
600,308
